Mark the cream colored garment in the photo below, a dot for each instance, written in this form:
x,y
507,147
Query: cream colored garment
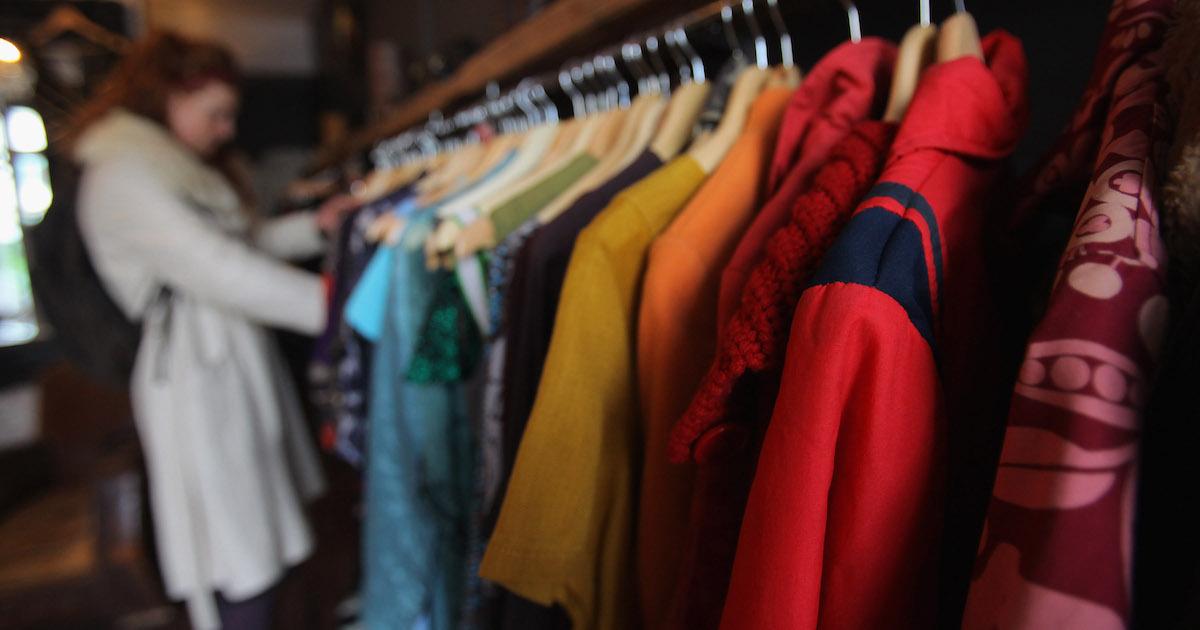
x,y
226,449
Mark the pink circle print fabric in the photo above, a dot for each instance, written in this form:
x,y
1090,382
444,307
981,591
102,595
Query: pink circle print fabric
x,y
1056,545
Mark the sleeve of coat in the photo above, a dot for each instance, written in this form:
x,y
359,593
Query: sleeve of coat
x,y
293,236
840,525
193,257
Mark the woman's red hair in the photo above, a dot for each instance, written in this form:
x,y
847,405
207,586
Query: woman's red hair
x,y
155,67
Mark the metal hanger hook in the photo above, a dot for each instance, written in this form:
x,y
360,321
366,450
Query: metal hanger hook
x,y
760,42
654,57
697,63
612,93
855,25
587,76
523,96
623,91
566,80
649,82
631,53
681,62
785,38
550,111
731,39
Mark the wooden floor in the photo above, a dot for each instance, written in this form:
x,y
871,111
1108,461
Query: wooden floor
x,y
76,552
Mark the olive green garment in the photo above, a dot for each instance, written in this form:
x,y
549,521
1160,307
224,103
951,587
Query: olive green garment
x,y
519,209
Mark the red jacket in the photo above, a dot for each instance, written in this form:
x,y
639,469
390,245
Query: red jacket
x,y
843,525
757,333
801,222
844,87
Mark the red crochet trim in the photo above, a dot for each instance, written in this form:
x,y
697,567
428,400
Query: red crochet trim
x,y
756,336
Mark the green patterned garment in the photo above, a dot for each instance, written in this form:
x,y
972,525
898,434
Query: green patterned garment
x,y
450,344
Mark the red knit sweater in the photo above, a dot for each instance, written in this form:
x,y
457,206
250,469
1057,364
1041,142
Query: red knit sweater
x,y
757,334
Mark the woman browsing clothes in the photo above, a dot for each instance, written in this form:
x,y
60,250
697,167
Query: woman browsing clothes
x,y
165,219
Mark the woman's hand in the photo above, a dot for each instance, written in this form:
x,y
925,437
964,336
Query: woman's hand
x,y
330,213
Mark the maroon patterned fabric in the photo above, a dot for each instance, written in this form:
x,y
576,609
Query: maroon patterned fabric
x,y
1056,546
1135,27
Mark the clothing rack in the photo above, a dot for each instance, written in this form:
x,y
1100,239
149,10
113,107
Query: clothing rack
x,y
812,237
597,82
568,27
557,26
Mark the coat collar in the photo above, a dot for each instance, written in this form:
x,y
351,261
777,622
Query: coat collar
x,y
970,107
123,135
848,84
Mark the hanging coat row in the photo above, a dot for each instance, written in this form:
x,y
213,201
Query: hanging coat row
x,y
780,349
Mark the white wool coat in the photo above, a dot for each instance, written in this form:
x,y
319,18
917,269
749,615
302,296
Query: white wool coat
x,y
227,453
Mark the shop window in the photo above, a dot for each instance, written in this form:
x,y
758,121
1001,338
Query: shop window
x,y
25,195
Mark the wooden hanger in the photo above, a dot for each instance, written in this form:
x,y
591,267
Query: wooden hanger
x,y
634,114
593,137
385,224
606,136
607,144
490,155
67,19
786,76
641,121
590,138
494,151
457,163
677,122
708,151
379,183
621,132
711,150
916,53
959,36
649,124
529,155
563,141
500,148
629,135
449,165
643,118
576,137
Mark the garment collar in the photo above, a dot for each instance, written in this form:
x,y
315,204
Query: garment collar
x,y
121,134
848,84
971,107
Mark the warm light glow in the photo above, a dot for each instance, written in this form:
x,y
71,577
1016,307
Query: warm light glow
x,y
26,132
10,222
34,194
36,198
9,53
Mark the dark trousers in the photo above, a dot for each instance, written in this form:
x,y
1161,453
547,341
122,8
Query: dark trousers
x,y
255,613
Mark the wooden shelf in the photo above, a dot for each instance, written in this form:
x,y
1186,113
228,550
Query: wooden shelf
x,y
557,32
